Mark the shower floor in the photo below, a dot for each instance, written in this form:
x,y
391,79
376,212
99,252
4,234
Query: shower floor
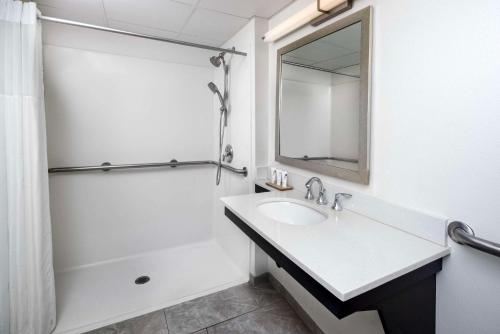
x,y
94,296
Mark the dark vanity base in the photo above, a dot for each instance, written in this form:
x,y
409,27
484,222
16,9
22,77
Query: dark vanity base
x,y
412,311
406,305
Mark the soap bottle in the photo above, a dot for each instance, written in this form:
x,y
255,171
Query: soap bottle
x,y
284,179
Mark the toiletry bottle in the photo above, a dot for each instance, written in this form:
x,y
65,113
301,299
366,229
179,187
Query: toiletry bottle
x,y
279,177
284,179
273,175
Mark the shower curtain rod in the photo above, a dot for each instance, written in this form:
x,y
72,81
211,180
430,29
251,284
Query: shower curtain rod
x,y
134,34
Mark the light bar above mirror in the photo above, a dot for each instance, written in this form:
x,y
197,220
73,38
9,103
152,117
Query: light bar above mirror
x,y
316,13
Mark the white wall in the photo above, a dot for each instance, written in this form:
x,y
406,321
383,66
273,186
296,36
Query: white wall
x,y
260,130
126,100
435,138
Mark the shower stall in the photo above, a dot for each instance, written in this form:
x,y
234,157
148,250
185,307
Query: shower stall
x,y
144,230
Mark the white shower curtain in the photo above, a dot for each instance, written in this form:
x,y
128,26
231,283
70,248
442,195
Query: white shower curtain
x,y
27,294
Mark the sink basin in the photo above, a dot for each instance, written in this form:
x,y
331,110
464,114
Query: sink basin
x,y
291,213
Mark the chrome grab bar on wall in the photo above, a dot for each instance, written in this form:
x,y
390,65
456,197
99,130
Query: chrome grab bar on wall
x,y
464,235
106,166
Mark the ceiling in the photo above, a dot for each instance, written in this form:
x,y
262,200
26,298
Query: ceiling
x,y
200,21
338,50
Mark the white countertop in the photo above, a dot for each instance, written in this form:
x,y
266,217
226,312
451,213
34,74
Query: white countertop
x,y
348,254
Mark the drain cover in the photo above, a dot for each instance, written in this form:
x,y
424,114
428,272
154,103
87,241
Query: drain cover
x,y
142,279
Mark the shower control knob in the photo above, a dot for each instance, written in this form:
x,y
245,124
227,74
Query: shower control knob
x,y
228,154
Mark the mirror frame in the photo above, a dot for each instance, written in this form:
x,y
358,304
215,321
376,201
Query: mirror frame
x,y
362,175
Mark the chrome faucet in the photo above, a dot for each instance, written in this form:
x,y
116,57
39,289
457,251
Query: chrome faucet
x,y
322,191
337,202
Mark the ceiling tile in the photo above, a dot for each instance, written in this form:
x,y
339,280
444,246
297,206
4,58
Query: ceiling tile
x,y
160,14
239,8
142,30
246,8
215,25
87,11
188,2
266,8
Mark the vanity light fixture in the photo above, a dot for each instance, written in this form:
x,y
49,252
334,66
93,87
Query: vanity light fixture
x,y
315,13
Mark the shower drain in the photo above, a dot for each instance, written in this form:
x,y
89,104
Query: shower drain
x,y
142,280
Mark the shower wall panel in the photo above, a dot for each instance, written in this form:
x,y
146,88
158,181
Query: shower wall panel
x,y
104,105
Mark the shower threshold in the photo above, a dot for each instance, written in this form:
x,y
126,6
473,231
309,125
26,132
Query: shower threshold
x,y
94,296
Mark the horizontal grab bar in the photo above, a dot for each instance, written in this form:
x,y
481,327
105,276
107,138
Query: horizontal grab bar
x,y
464,235
106,166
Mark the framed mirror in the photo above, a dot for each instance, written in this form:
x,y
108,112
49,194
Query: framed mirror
x,y
323,94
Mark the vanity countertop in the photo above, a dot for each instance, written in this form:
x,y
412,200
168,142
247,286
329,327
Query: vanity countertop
x,y
349,253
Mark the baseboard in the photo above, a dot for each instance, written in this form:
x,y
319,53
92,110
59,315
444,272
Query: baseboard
x,y
257,280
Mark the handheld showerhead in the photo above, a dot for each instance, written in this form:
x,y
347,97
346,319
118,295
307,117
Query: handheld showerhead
x,y
213,87
215,90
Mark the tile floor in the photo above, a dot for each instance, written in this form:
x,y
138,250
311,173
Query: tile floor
x,y
241,309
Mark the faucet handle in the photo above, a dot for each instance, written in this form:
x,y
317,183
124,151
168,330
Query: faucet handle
x,y
322,200
337,202
309,194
